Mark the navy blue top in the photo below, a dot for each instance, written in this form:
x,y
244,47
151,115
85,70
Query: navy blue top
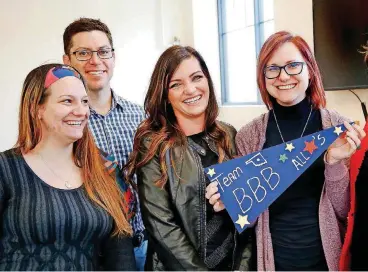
x,y
46,228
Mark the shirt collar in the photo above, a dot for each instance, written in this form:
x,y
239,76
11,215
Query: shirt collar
x,y
116,100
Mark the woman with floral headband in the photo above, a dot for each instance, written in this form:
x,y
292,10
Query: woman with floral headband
x,y
60,208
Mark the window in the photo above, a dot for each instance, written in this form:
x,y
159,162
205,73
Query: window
x,y
243,27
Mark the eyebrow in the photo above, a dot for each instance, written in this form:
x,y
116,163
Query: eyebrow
x,y
290,61
86,48
192,74
71,96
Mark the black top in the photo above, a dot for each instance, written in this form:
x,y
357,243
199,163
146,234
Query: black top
x,y
46,228
294,222
219,228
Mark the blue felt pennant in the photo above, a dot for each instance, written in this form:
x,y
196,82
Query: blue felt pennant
x,y
248,185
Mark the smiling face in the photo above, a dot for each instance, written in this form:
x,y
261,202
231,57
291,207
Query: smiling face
x,y
287,89
189,92
65,112
96,72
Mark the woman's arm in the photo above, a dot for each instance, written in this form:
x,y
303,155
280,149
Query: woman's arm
x,y
118,254
337,187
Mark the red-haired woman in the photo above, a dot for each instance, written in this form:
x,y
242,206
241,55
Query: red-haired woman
x,y
60,208
179,138
303,228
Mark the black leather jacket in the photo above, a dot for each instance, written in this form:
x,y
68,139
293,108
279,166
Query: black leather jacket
x,y
175,217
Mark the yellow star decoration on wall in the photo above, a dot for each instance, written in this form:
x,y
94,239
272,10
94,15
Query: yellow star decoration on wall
x,y
338,131
289,147
242,220
211,172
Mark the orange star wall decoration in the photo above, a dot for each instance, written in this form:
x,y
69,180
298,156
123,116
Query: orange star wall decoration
x,y
310,146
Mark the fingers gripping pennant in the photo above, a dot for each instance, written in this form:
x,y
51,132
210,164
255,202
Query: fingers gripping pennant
x,y
248,185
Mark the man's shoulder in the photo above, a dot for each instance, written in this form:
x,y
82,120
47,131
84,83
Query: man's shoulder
x,y
129,105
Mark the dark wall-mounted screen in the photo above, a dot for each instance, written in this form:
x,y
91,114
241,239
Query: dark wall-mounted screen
x,y
340,30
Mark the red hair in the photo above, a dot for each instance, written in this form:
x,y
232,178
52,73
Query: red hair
x,y
315,91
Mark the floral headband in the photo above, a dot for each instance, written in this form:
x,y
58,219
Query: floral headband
x,y
58,72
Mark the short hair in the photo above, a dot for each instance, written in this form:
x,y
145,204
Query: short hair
x,y
315,91
83,25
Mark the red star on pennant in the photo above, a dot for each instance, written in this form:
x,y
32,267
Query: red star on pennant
x,y
310,147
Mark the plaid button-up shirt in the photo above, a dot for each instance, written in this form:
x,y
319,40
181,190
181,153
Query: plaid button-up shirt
x,y
114,134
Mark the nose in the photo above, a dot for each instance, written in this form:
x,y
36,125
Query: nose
x,y
81,109
190,88
95,59
283,75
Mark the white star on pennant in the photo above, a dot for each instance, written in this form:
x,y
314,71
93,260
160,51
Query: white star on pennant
x,y
211,172
242,220
289,147
338,131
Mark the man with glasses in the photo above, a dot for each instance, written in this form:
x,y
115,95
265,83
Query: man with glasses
x,y
88,47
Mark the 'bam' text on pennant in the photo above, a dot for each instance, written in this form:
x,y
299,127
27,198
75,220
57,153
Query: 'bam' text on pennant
x,y
248,185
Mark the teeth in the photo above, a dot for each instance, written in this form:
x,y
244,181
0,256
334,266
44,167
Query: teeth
x,y
192,100
74,123
96,72
286,87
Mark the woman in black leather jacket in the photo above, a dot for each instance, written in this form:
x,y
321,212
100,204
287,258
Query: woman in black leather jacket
x,y
179,138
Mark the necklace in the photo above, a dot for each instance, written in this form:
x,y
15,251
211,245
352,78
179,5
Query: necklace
x,y
305,126
66,182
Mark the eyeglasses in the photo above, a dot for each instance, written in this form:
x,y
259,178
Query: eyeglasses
x,y
86,54
292,69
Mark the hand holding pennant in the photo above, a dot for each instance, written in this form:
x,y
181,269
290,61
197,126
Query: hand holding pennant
x,y
248,185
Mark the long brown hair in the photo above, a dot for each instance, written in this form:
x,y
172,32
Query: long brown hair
x,y
100,186
315,91
161,126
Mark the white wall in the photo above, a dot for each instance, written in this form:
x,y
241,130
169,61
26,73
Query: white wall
x,y
297,16
31,34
